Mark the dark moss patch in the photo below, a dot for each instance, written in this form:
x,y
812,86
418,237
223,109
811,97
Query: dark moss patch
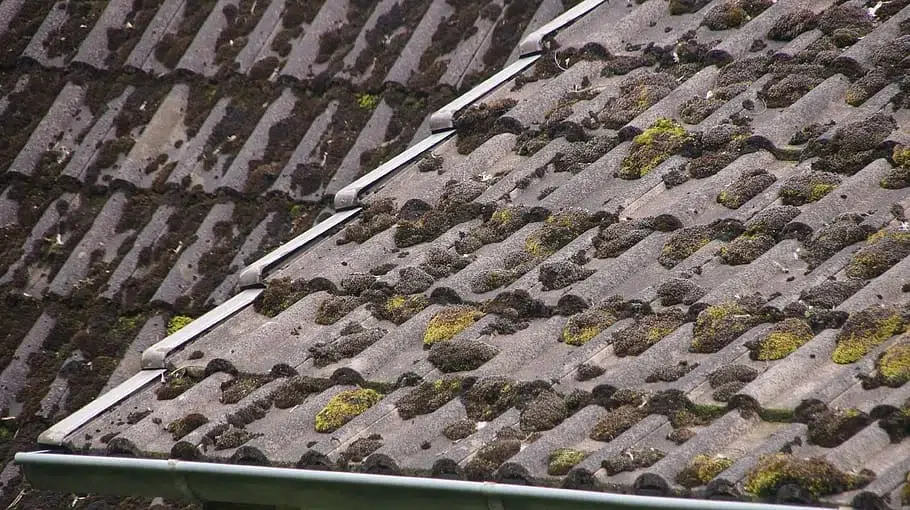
x,y
746,248
346,346
279,295
459,430
791,24
582,327
845,16
883,250
830,293
233,437
375,218
685,242
476,124
296,389
588,371
732,373
440,262
578,155
454,206
633,459
236,389
749,184
652,147
413,280
561,274
831,427
399,309
614,239
843,231
636,94
784,338
899,176
790,81
671,373
461,355
183,426
335,308
176,383
853,146
810,132
719,325
80,18
865,330
172,46
702,470
491,396
646,332
617,421
680,435
241,20
428,397
772,220
679,291
867,86
725,16
501,224
543,413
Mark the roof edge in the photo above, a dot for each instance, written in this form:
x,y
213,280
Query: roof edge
x,y
533,43
287,487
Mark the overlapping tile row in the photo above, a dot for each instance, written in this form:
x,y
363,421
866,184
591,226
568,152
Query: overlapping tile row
x,y
669,259
152,148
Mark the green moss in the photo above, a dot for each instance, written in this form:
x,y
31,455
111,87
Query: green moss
x,y
702,470
344,407
399,309
905,492
718,325
786,337
449,322
503,216
558,230
893,365
561,460
279,295
582,327
177,323
367,101
818,191
901,156
816,475
652,147
183,426
728,199
864,331
776,415
882,250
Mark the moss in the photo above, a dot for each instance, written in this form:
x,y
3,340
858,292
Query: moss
x,y
428,397
652,147
279,294
865,330
582,327
450,322
176,384
348,345
335,308
367,101
236,389
718,325
808,187
558,230
344,407
833,427
883,250
543,413
646,332
702,470
296,389
399,309
784,338
459,430
893,366
561,460
177,323
617,421
183,426
815,475
461,355
901,156
684,243
632,459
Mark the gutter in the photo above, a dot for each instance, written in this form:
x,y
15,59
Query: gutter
x,y
297,488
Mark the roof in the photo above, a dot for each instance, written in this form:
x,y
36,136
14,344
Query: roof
x,y
174,142
669,258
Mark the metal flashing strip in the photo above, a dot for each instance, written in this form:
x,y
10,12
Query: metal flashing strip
x,y
154,356
348,196
55,435
252,275
302,488
443,118
533,43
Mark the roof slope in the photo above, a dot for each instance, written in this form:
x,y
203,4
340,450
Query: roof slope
x,y
669,258
176,141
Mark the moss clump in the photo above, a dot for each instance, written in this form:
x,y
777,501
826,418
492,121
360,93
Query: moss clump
x,y
718,325
808,187
617,421
631,460
459,430
334,309
279,295
236,389
746,248
376,217
558,230
543,413
491,396
350,344
344,407
296,389
183,426
883,250
428,397
832,427
702,470
177,323
399,309
582,327
646,332
461,355
561,460
450,322
815,475
899,176
893,366
683,243
784,338
652,147
367,101
865,330
176,383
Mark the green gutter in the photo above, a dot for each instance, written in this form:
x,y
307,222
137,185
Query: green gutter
x,y
301,488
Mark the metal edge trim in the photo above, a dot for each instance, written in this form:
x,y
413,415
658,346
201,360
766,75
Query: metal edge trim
x,y
533,43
